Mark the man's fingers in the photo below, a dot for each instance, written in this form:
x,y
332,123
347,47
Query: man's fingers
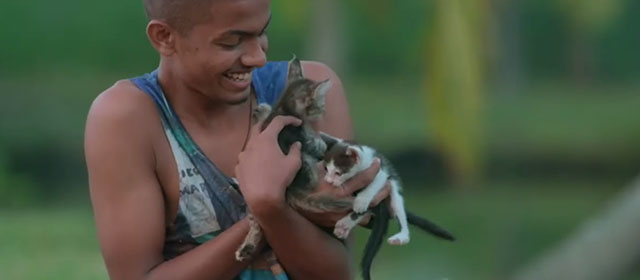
x,y
363,178
279,122
384,193
365,220
257,127
294,150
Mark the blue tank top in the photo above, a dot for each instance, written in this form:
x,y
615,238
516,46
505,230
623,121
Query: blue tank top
x,y
210,201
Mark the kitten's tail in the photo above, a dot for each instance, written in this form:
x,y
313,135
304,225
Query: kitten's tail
x,y
429,226
379,226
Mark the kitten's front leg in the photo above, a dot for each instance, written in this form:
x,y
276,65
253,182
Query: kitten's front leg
x,y
314,145
250,244
364,197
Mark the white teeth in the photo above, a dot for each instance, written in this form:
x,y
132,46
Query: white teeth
x,y
239,76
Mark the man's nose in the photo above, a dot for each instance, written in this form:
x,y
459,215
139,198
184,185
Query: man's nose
x,y
254,56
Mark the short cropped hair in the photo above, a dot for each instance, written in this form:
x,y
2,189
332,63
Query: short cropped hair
x,y
182,15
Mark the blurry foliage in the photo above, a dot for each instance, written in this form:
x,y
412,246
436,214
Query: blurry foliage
x,y
592,15
385,36
16,190
554,151
547,31
74,35
56,57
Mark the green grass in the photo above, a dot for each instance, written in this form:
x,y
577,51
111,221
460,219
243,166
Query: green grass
x,y
499,228
49,244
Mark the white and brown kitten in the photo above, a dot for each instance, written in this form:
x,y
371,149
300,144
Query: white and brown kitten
x,y
343,160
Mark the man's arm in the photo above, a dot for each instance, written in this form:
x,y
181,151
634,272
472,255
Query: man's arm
x,y
127,198
336,120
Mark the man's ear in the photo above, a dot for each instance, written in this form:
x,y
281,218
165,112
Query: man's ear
x,y
162,37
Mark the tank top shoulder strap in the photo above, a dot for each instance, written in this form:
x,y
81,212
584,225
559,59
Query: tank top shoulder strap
x,y
269,81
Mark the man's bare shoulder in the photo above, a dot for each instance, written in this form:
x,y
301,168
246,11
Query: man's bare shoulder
x,y
121,118
123,101
336,120
318,71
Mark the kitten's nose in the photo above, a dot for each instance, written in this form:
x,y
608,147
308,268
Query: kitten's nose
x,y
328,179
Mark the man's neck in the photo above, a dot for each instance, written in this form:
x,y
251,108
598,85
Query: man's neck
x,y
196,107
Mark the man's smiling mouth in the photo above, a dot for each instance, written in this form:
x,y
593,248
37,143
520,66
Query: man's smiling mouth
x,y
238,76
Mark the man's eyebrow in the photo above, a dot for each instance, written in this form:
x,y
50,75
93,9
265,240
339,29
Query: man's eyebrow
x,y
248,33
266,25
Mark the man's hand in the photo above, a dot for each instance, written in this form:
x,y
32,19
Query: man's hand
x,y
354,184
263,171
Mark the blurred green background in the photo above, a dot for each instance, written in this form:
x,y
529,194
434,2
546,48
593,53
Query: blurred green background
x,y
513,123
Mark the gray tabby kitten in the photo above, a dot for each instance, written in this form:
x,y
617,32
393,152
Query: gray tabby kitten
x,y
303,99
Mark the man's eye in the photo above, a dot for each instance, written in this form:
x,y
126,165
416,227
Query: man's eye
x,y
230,42
230,45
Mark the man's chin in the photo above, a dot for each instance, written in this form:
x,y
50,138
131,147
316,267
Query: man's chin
x,y
238,101
237,98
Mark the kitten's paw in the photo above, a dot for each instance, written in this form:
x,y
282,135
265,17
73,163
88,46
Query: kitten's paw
x,y
261,112
361,204
264,108
399,239
245,252
342,229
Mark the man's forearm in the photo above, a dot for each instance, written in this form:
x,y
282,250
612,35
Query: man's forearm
x,y
214,259
303,249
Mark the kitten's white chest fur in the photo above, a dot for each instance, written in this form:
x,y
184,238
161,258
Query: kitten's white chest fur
x,y
366,156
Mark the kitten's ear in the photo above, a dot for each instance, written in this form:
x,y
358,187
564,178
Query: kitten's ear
x,y
295,70
328,140
321,89
353,154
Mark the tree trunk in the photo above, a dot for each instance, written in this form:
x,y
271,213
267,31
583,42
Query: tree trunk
x,y
454,87
506,55
326,40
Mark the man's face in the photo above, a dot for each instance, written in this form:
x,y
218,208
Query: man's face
x,y
216,57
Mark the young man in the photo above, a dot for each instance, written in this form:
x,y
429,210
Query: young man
x,y
157,213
